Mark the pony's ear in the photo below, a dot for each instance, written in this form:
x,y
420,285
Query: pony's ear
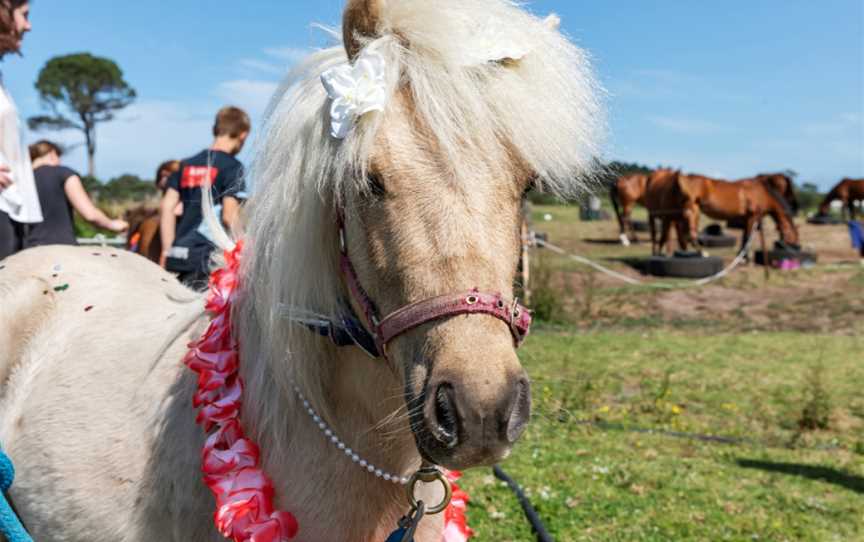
x,y
553,21
361,19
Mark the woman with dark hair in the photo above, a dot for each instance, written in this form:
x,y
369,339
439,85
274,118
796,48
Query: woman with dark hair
x,y
60,192
166,169
19,201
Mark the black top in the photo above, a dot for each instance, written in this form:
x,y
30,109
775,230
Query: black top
x,y
58,225
191,250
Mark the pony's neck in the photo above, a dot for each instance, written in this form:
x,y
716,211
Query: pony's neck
x,y
362,401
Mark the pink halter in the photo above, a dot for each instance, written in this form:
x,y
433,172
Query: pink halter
x,y
516,316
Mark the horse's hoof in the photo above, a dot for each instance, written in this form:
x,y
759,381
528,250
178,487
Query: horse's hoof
x,y
624,240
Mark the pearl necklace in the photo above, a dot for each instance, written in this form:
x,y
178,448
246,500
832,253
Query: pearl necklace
x,y
351,454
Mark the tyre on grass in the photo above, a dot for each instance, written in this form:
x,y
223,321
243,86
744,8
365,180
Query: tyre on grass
x,y
685,265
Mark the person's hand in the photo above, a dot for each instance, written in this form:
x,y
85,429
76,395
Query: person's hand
x,y
5,178
118,226
163,260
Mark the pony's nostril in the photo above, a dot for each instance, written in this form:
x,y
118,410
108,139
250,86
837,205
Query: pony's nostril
x,y
520,411
446,418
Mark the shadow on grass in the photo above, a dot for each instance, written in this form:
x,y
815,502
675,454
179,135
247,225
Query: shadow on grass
x,y
812,472
638,263
611,242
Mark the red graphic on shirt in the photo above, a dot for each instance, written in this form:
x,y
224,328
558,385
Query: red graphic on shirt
x,y
195,176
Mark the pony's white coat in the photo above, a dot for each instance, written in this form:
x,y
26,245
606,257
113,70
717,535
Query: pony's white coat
x,y
95,406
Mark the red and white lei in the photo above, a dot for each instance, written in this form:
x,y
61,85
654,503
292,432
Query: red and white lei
x,y
230,461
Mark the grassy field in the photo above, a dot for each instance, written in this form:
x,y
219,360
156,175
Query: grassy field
x,y
773,363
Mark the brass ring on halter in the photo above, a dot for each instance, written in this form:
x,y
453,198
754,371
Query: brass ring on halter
x,y
429,476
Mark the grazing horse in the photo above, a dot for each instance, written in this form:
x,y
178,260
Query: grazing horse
x,y
418,182
848,191
625,193
143,235
665,204
747,200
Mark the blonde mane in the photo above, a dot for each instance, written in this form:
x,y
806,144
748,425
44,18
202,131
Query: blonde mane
x,y
544,109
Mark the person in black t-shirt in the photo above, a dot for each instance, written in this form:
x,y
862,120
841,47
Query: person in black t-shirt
x,y
186,245
60,191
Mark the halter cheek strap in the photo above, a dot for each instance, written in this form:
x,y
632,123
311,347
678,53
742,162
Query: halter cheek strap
x,y
517,317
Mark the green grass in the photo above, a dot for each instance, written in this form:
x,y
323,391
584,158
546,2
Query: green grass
x,y
619,485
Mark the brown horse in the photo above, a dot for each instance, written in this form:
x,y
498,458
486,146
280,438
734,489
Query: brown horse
x,y
749,200
625,193
848,191
143,237
667,204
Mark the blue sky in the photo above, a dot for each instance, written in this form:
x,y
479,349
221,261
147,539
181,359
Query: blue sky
x,y
723,88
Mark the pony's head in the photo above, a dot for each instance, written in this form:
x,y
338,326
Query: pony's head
x,y
480,102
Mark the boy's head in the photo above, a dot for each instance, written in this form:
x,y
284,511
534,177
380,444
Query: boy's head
x,y
45,153
232,124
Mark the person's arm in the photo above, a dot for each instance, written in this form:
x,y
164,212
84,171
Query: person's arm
x,y
168,222
81,202
5,177
231,213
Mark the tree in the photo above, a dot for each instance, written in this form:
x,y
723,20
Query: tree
x,y
128,188
80,91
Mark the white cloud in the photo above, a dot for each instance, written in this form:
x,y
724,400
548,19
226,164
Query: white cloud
x,y
257,65
252,95
151,131
686,126
290,55
141,137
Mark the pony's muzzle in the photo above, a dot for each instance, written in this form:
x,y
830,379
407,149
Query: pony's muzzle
x,y
469,427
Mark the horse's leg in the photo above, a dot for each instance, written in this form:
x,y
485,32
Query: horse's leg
x,y
628,221
682,229
666,236
766,261
652,225
749,223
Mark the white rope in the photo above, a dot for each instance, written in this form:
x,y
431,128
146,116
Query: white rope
x,y
739,259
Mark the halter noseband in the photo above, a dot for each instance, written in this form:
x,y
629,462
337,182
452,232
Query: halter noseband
x,y
516,316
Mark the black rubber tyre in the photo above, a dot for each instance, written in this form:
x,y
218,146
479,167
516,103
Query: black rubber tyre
x,y
685,267
718,241
824,221
640,225
806,258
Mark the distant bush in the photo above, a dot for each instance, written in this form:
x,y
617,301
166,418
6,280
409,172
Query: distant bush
x,y
809,197
546,300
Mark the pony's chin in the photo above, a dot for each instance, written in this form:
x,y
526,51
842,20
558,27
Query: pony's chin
x,y
458,458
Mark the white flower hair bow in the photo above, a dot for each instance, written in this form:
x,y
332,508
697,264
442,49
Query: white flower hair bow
x,y
355,90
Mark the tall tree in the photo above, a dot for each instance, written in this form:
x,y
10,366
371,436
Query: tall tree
x,y
80,91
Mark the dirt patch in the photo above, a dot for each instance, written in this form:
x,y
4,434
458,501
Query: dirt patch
x,y
826,299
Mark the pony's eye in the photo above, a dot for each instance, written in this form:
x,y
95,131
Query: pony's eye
x,y
376,186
